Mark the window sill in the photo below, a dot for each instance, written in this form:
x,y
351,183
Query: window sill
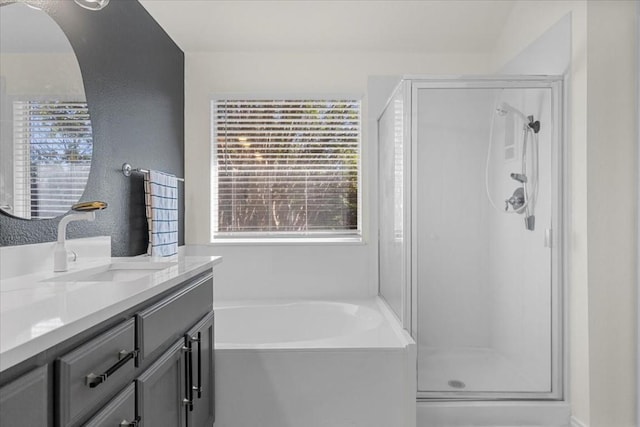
x,y
290,241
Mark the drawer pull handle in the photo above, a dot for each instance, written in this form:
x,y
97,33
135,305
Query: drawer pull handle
x,y
134,423
198,388
188,374
190,340
93,380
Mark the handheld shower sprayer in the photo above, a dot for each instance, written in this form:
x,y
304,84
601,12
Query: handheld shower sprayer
x,y
524,198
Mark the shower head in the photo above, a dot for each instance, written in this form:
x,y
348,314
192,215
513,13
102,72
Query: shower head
x,y
504,109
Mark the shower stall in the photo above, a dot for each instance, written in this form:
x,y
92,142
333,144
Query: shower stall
x,y
470,234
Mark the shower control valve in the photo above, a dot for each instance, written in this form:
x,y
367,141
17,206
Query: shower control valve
x,y
517,200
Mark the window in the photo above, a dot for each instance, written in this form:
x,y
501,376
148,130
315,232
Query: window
x,y
285,168
53,145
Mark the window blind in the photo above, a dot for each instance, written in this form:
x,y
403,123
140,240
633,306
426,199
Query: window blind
x,y
286,167
53,146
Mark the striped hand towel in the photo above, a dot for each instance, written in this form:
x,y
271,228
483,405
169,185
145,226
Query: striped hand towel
x,y
161,200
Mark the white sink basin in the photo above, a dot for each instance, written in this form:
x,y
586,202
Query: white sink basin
x,y
113,272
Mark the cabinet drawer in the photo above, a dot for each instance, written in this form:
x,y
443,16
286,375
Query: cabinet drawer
x,y
164,322
94,372
121,410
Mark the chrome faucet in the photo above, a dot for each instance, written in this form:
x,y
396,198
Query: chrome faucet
x,y
87,213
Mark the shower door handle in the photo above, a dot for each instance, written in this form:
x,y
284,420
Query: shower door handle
x,y
548,238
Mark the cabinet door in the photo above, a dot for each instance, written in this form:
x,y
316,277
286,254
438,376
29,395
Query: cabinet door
x,y
121,411
200,339
23,402
161,390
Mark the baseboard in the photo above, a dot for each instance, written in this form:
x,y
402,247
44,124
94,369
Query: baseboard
x,y
577,423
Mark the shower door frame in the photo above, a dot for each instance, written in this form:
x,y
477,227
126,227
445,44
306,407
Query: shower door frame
x,y
411,85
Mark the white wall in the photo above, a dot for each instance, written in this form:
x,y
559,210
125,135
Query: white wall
x,y
638,215
321,271
611,205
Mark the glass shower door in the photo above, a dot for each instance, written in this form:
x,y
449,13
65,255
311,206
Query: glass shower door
x,y
485,273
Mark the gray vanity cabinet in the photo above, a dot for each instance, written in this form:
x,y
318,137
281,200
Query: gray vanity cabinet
x,y
152,369
150,366
161,390
23,402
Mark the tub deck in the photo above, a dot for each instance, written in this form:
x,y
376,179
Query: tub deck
x,y
307,324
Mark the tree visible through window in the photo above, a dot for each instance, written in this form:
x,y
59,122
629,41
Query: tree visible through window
x,y
286,167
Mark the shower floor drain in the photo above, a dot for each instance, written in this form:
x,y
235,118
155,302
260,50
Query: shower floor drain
x,y
456,384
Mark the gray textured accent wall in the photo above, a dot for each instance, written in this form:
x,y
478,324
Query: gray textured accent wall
x,y
134,82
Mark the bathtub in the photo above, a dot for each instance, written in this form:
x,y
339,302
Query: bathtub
x,y
312,364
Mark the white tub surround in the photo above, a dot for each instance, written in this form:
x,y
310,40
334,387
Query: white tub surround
x,y
40,310
313,363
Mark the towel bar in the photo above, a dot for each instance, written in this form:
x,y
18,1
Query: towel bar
x,y
127,170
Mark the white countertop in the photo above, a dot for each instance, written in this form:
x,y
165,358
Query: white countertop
x,y
36,314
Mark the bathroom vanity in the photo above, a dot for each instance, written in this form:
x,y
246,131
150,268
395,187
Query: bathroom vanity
x,y
128,342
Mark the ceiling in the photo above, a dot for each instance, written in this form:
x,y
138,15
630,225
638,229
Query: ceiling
x,y
426,26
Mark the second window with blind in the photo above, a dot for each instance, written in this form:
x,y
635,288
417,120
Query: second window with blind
x,y
285,168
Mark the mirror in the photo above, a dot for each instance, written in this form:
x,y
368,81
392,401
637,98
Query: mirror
x,y
46,141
